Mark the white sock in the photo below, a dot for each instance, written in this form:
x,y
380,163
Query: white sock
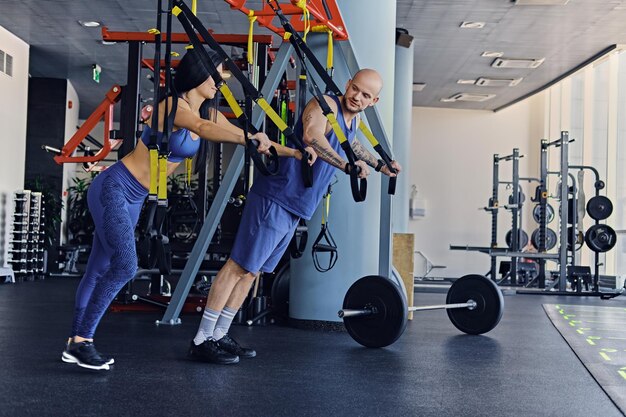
x,y
207,325
224,322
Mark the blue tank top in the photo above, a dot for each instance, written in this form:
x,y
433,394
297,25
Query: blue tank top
x,y
180,143
287,189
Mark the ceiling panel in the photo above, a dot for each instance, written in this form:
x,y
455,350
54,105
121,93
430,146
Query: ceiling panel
x,y
444,53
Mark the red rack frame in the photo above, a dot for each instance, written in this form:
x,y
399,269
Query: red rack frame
x,y
266,16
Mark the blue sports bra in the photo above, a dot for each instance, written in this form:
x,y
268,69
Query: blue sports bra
x,y
180,143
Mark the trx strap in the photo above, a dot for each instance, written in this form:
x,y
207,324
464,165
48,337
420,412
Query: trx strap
x,y
189,21
248,87
299,240
153,247
324,243
298,43
358,186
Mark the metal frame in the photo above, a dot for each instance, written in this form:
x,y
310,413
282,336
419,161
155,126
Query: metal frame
x,y
231,177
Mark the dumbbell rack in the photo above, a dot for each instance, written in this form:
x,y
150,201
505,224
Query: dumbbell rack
x,y
26,241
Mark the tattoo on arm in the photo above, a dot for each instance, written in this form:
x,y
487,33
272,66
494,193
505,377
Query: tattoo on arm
x,y
363,154
327,153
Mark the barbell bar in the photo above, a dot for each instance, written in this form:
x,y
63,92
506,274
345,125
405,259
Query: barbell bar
x,y
471,304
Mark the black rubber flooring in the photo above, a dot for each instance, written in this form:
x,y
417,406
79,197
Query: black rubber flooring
x,y
598,337
521,368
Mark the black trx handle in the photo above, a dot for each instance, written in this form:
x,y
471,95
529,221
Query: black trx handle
x,y
387,160
357,186
272,165
324,243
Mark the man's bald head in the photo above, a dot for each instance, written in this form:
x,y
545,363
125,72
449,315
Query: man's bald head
x,y
370,78
362,90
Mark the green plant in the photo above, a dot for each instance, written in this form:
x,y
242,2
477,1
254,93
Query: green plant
x,y
53,206
80,222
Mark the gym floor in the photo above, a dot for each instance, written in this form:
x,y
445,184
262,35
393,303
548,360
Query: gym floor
x,y
521,368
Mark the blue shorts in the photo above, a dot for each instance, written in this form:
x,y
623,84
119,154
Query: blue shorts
x,y
263,235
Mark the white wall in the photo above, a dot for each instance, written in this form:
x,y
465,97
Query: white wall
x,y
13,109
452,155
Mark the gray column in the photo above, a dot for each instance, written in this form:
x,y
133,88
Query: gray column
x,y
402,117
355,226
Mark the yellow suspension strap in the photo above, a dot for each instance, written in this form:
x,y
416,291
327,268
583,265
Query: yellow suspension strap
x,y
306,16
358,185
324,243
191,22
153,245
330,47
386,160
298,43
251,18
249,89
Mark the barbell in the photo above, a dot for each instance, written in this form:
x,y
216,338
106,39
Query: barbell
x,y
375,311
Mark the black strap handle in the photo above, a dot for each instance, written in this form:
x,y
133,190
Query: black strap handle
x,y
357,186
324,243
270,167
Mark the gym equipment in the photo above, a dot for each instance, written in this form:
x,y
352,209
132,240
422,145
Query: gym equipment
x,y
324,243
599,207
549,213
550,238
375,312
580,239
600,238
523,238
599,185
522,198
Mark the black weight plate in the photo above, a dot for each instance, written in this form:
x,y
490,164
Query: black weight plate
x,y
489,309
580,239
550,240
383,328
599,207
523,238
549,213
601,238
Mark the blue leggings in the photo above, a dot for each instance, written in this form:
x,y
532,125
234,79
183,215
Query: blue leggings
x,y
115,198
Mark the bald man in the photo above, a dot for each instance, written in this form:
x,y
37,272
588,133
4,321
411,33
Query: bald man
x,y
274,207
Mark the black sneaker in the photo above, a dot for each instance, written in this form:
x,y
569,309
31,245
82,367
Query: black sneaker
x,y
230,345
210,351
85,355
68,358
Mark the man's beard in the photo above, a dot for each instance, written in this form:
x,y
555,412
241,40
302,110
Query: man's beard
x,y
347,106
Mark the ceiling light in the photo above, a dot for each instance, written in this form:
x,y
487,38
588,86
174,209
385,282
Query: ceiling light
x,y
517,63
108,43
418,86
541,2
466,81
498,82
468,97
492,54
89,23
473,25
